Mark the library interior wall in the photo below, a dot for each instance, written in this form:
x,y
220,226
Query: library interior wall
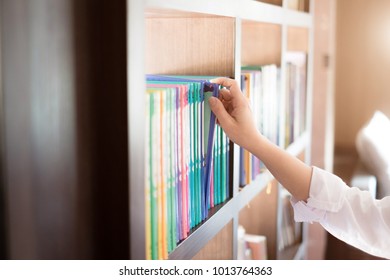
x,y
363,66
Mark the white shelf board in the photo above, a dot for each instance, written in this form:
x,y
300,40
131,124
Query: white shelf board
x,y
253,188
244,9
199,238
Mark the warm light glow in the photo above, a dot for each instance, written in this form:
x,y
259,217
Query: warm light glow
x,y
269,188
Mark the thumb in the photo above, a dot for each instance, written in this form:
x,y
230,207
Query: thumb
x,y
225,120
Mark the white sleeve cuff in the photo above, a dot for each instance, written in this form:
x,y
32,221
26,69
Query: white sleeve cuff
x,y
326,194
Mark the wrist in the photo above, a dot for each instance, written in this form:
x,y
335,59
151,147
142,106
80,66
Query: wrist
x,y
254,141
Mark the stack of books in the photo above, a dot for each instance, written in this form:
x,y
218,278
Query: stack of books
x,y
187,160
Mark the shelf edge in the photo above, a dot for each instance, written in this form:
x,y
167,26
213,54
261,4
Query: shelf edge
x,y
244,9
299,144
253,188
189,247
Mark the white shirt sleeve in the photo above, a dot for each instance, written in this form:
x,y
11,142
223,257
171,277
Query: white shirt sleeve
x,y
350,214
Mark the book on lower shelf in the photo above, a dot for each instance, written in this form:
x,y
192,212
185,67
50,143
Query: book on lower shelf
x,y
187,160
251,246
257,245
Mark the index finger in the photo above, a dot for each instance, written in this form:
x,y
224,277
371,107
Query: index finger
x,y
226,82
232,85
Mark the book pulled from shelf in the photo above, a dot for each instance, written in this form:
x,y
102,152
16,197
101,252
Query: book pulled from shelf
x,y
187,156
261,85
251,246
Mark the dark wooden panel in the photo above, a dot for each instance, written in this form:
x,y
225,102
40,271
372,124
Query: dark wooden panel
x,y
65,129
109,96
3,252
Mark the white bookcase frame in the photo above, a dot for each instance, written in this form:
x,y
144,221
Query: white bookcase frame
x,y
239,10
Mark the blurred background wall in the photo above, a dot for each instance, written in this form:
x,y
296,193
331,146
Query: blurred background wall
x,y
362,65
362,86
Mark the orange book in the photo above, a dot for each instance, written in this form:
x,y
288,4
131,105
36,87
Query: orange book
x,y
159,174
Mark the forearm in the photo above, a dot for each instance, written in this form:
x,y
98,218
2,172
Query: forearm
x,y
291,172
234,115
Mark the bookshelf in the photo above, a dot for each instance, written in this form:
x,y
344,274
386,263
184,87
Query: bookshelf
x,y
211,38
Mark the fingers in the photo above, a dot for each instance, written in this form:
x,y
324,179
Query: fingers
x,y
232,90
225,94
226,82
225,120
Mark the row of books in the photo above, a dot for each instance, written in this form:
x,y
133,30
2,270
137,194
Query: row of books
x,y
295,99
279,110
187,160
260,84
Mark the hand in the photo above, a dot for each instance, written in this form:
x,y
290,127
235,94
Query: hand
x,y
234,114
235,117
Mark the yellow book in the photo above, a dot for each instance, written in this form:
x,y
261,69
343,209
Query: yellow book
x,y
148,222
163,191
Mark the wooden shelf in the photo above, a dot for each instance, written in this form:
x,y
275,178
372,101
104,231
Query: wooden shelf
x,y
298,39
206,38
190,46
260,43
